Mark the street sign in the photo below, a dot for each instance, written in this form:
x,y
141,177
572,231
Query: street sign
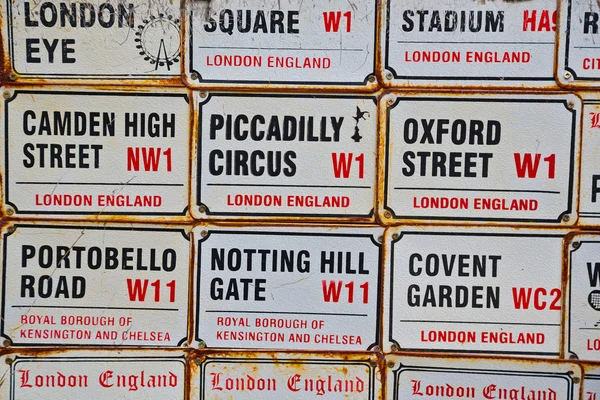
x,y
582,319
578,59
589,195
108,40
94,375
288,288
591,382
74,153
474,290
493,158
290,42
475,43
95,285
285,156
433,378
290,376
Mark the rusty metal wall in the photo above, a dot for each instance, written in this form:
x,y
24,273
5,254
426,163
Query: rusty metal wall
x,y
174,224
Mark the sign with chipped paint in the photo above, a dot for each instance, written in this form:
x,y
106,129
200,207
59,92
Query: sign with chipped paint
x,y
95,153
583,319
474,290
509,158
112,39
449,43
589,195
286,155
288,42
274,376
288,288
95,375
578,57
83,285
436,378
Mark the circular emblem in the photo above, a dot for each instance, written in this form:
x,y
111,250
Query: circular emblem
x,y
158,40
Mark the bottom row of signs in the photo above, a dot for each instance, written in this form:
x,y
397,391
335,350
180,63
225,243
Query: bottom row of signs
x,y
174,375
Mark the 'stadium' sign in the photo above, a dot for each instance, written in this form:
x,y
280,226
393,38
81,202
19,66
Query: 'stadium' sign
x,y
433,42
583,318
579,51
95,375
81,285
474,291
280,155
95,153
438,378
288,288
481,158
274,376
296,42
108,39
589,194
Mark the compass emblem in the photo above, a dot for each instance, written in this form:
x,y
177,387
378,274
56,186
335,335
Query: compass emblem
x,y
158,40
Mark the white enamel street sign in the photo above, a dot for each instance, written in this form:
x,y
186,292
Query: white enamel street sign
x,y
582,317
578,59
285,155
109,39
589,196
290,376
74,153
591,382
469,43
474,290
427,378
508,158
281,42
94,375
288,288
82,285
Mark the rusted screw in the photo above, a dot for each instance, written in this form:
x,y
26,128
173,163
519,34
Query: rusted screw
x,y
372,79
570,105
390,102
6,343
380,239
8,360
576,380
202,209
566,218
376,349
11,229
567,75
573,357
204,234
391,364
12,76
395,236
202,344
9,211
203,95
198,361
387,214
389,76
395,347
6,94
576,245
194,76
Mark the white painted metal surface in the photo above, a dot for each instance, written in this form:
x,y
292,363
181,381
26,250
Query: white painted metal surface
x,y
578,59
474,290
91,285
94,375
286,156
109,40
429,378
510,158
469,43
288,288
94,153
591,382
589,195
274,376
582,320
291,42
